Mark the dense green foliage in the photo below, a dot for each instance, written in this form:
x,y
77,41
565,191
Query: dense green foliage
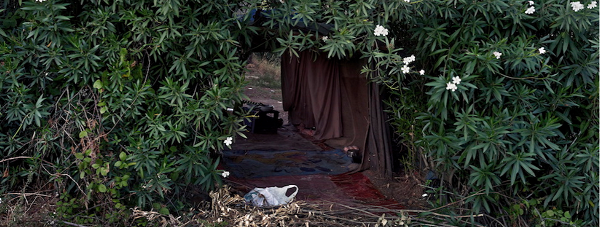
x,y
125,101
121,100
521,128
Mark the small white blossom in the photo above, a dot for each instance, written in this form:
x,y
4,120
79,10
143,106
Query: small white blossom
x,y
577,6
456,80
451,86
407,0
424,195
281,1
592,5
422,72
530,3
530,10
225,173
40,0
542,51
324,38
228,141
408,60
380,31
405,69
497,54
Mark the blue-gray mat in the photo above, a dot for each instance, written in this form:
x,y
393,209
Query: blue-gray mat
x,y
256,164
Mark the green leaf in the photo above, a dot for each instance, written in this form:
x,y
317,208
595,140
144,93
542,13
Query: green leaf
x,y
101,188
83,134
164,211
98,84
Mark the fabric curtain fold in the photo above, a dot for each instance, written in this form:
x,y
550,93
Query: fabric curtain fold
x,y
333,96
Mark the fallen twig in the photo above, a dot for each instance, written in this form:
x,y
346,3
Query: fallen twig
x,y
13,158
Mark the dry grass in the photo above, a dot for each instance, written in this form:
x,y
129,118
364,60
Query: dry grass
x,y
264,71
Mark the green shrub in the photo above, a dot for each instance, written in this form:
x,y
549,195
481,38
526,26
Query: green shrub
x,y
121,103
522,123
125,100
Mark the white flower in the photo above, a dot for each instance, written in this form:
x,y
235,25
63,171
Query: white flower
x,y
542,51
405,69
424,195
408,60
407,0
530,10
530,3
225,173
451,86
576,6
380,31
497,54
324,38
456,80
592,5
228,141
422,72
281,1
40,0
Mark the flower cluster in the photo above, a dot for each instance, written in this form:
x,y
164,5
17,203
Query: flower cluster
x,y
592,5
497,54
225,173
228,141
576,6
530,10
452,85
408,60
380,31
324,38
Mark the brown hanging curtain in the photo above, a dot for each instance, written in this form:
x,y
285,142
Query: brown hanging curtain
x,y
333,96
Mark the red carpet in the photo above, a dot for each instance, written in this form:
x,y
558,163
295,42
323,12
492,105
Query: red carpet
x,y
359,187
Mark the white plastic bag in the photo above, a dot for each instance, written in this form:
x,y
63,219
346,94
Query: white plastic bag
x,y
270,196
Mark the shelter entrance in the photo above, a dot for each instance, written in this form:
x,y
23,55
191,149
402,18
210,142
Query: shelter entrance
x,y
325,105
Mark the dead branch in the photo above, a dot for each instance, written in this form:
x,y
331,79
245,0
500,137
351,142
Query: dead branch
x,y
13,158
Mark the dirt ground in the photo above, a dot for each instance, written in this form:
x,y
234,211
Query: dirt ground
x,y
403,188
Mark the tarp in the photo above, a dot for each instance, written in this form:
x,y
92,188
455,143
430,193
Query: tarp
x,y
333,97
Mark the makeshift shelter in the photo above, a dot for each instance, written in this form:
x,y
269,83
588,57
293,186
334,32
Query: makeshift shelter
x,y
332,96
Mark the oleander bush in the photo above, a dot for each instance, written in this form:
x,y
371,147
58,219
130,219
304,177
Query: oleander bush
x,y
121,104
508,106
117,104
